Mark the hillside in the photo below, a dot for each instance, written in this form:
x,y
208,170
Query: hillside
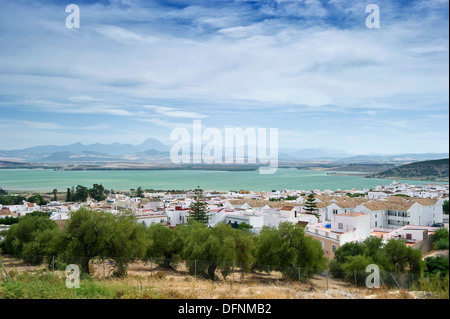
x,y
428,170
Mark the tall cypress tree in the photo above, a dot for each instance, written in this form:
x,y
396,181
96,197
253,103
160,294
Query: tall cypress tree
x,y
199,208
311,207
68,196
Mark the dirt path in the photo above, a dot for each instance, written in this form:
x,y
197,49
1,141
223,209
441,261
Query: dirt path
x,y
434,253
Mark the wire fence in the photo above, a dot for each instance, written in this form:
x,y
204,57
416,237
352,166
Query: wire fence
x,y
222,270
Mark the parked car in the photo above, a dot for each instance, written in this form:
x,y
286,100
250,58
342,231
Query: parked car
x,y
438,225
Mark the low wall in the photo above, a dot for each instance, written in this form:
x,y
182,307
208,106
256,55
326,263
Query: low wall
x,y
425,245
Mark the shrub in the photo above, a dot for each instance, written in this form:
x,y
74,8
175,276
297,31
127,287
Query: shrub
x,y
440,239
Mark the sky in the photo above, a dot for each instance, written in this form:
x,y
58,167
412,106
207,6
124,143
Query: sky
x,y
312,69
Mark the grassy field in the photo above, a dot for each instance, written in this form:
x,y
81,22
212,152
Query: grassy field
x,y
29,282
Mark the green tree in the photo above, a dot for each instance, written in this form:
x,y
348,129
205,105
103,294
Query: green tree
x,y
220,247
355,268
68,195
5,200
198,209
342,254
245,226
97,192
268,247
89,234
288,249
396,254
81,193
163,243
10,200
394,257
311,206
55,195
437,266
440,239
127,241
85,234
9,220
139,192
43,246
372,246
445,207
17,200
37,199
21,235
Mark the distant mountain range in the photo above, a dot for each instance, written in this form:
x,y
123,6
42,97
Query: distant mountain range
x,y
311,153
88,153
155,152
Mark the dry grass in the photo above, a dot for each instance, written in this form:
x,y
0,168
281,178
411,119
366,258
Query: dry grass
x,y
164,283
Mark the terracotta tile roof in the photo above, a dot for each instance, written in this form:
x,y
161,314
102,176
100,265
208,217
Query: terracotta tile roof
x,y
398,203
256,203
426,201
324,198
341,201
323,204
5,211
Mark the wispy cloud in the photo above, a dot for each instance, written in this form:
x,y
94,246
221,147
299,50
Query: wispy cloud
x,y
171,112
243,63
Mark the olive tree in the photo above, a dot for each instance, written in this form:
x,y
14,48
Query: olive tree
x,y
289,250
207,249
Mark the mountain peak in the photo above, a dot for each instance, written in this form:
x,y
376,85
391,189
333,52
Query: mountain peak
x,y
152,144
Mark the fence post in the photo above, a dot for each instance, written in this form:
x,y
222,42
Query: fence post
x,y
53,263
104,269
299,274
233,271
151,267
356,283
195,268
327,280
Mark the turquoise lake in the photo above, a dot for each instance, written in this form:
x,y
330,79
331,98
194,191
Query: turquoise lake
x,y
284,178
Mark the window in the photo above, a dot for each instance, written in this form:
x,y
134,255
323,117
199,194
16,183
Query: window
x,y
376,224
333,248
340,226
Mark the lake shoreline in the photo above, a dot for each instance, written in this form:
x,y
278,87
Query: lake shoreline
x,y
45,180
